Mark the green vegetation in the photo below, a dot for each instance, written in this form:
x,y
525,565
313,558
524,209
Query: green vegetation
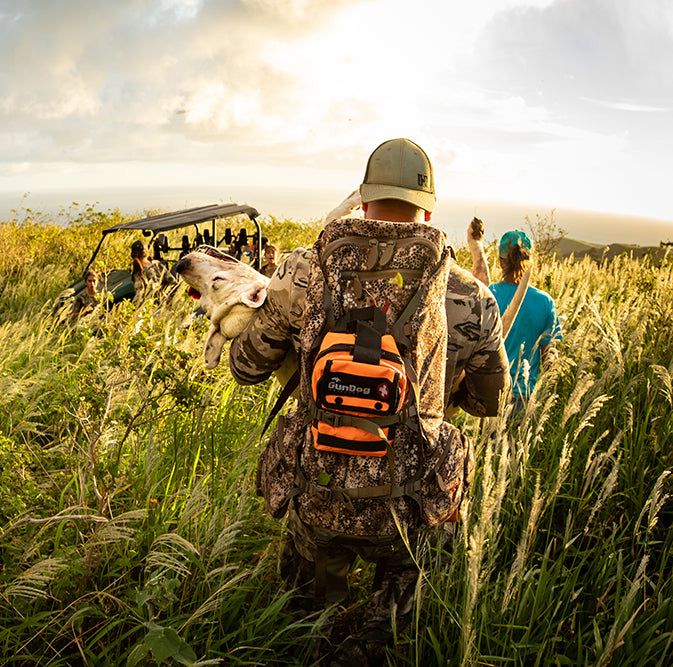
x,y
130,532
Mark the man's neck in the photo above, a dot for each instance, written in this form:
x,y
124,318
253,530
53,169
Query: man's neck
x,y
390,210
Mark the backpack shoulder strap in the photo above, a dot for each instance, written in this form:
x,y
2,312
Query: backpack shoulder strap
x,y
283,397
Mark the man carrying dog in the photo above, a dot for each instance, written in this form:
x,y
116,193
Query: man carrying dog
x,y
344,505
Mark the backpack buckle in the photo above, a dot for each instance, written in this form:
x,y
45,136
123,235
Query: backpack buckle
x,y
323,492
329,418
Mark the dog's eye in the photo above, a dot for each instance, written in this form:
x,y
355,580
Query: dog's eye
x,y
217,281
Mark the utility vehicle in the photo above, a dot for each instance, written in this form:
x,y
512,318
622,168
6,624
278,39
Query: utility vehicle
x,y
210,225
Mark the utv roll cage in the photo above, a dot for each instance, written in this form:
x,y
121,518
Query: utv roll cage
x,y
208,223
154,226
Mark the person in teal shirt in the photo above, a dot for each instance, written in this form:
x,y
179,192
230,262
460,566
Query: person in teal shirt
x,y
530,343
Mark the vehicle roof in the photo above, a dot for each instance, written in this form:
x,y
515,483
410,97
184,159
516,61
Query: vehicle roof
x,y
188,216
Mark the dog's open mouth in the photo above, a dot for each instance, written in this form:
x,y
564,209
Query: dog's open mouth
x,y
194,293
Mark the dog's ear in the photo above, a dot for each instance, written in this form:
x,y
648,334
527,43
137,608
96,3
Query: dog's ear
x,y
214,344
254,296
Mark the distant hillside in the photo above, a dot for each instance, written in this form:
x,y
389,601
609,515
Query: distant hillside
x,y
598,228
579,249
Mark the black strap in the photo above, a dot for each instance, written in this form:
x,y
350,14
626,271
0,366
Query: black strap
x,y
380,573
367,348
398,329
320,581
369,424
368,314
286,392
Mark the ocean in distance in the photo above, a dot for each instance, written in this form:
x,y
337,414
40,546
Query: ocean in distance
x,y
452,215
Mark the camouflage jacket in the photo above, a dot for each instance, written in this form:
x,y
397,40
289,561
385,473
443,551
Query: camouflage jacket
x,y
84,303
474,346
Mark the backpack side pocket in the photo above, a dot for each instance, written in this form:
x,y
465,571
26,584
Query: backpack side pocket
x,y
277,464
449,473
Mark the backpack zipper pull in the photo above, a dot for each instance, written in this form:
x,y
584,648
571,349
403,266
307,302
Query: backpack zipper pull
x,y
352,282
386,251
373,256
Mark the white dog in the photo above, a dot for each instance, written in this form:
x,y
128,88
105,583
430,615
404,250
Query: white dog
x,y
229,291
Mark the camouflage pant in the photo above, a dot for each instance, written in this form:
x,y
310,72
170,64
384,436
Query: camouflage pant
x,y
396,582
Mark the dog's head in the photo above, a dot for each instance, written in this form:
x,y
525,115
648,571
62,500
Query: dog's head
x,y
220,283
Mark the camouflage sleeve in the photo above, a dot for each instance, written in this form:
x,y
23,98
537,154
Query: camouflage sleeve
x,y
477,365
77,304
261,348
487,371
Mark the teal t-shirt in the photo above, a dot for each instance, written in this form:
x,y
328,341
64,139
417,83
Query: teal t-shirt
x,y
536,324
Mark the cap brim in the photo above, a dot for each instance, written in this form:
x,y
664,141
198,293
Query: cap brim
x,y
374,192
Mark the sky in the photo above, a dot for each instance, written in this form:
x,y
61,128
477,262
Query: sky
x,y
562,103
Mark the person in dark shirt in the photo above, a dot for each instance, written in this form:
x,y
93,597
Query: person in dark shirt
x,y
148,274
87,299
271,261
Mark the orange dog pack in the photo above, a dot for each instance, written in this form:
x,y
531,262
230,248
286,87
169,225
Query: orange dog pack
x,y
359,387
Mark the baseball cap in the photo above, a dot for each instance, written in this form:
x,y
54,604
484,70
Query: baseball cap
x,y
400,169
515,237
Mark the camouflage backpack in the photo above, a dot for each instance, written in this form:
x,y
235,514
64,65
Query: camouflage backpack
x,y
368,444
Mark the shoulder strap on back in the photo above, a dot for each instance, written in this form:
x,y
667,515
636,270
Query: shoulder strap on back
x,y
283,397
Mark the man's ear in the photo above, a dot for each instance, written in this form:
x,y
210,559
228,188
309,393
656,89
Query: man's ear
x,y
428,215
214,344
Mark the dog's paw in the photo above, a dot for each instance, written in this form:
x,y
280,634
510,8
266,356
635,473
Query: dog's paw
x,y
213,349
236,320
475,230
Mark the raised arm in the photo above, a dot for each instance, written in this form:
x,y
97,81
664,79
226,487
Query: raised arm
x,y
475,236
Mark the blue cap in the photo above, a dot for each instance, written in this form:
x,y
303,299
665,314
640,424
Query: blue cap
x,y
516,237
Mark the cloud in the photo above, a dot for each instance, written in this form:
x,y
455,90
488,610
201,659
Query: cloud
x,y
496,90
627,106
108,75
594,48
276,77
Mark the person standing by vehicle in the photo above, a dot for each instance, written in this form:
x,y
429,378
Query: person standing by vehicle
x,y
397,198
87,299
271,261
148,274
531,341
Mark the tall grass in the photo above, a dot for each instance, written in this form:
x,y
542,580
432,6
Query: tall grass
x,y
130,532
565,555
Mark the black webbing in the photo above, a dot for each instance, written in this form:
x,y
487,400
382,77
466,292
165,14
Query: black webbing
x,y
367,348
286,392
